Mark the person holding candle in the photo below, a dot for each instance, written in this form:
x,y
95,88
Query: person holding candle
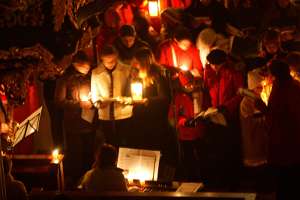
x,y
150,113
179,52
110,90
71,94
188,102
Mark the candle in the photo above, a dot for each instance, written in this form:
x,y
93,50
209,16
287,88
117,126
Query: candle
x,y
153,8
137,91
56,156
184,67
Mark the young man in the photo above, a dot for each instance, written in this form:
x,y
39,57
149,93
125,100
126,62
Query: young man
x,y
71,95
110,86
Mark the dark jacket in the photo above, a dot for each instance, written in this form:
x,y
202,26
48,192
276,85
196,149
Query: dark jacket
x,y
283,117
125,53
68,92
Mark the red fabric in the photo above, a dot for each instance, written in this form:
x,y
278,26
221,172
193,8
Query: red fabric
x,y
176,3
223,87
106,36
284,119
190,57
32,103
126,15
185,110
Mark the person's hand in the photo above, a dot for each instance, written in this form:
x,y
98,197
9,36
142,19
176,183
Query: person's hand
x,y
142,101
5,129
86,104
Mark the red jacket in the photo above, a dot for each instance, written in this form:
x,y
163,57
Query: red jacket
x,y
223,87
189,58
185,110
283,116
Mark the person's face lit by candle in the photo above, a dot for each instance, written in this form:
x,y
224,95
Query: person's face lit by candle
x,y
142,71
109,61
82,67
128,41
272,47
184,44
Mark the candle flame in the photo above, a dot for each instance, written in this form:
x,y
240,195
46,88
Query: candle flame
x,y
184,67
266,91
56,156
137,91
153,8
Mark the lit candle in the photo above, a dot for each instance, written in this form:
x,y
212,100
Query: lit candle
x,y
56,156
153,8
184,67
137,90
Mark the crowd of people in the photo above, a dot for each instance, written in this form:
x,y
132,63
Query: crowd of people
x,y
219,98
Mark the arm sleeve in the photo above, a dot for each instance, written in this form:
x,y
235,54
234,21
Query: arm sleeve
x,y
61,96
94,90
233,103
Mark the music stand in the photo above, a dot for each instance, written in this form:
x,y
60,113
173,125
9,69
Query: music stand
x,y
28,126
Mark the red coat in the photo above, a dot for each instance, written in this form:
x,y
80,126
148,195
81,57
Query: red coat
x,y
223,87
185,110
190,57
176,3
283,116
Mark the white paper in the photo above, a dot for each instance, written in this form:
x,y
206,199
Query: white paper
x,y
138,163
189,187
28,126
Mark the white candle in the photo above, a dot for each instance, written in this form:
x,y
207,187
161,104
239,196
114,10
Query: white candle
x,y
137,91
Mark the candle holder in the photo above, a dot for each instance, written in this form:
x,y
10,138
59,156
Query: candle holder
x,y
137,90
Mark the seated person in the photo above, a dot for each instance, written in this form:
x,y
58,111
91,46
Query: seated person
x,y
14,189
104,176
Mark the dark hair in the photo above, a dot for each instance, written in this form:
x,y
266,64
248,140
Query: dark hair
x,y
145,56
81,57
127,30
216,57
108,50
181,33
106,156
271,36
280,70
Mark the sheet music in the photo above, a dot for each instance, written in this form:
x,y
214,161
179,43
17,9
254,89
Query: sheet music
x,y
139,163
28,126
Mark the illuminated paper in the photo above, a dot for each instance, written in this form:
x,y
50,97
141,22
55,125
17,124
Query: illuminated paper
x,y
139,164
28,126
190,187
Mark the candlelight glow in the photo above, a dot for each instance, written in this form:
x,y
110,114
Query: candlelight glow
x,y
84,98
137,91
56,156
184,67
153,8
266,91
140,174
